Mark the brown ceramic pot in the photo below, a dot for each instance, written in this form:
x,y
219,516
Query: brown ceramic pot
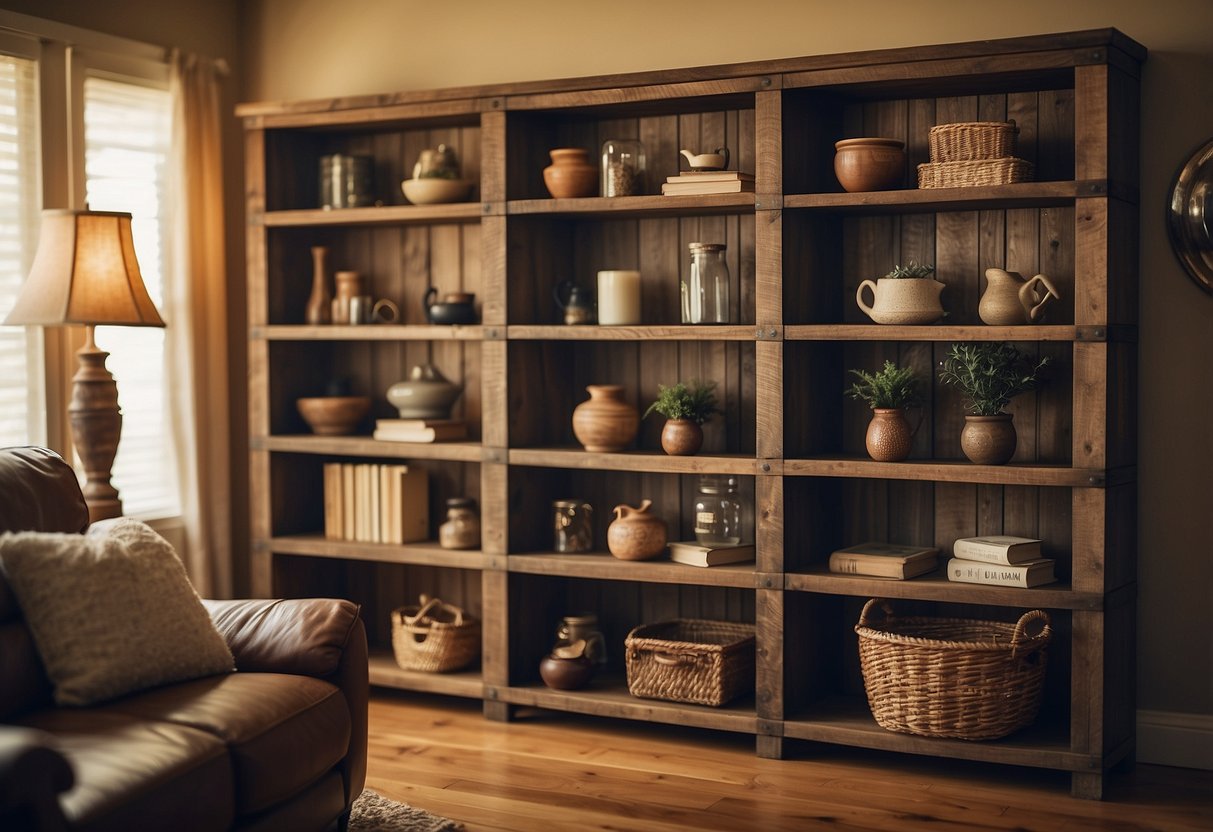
x,y
570,174
988,440
869,164
635,534
605,423
681,437
333,415
889,434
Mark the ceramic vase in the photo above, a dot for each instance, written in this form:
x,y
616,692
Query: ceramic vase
x,y
988,440
426,394
902,301
605,423
681,437
890,435
319,305
635,534
570,174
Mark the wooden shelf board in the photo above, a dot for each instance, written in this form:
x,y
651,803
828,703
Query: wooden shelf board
x,y
366,446
560,332
423,553
643,461
935,586
849,721
879,332
368,332
453,212
604,566
632,207
912,200
935,470
609,696
386,673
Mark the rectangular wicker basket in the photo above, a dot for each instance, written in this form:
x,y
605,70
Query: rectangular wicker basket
x,y
434,637
973,173
691,660
952,677
971,140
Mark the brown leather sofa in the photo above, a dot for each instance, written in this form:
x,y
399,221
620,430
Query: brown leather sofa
x,y
278,745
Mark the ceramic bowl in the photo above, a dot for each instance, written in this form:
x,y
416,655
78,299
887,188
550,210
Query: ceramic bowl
x,y
333,415
434,190
869,164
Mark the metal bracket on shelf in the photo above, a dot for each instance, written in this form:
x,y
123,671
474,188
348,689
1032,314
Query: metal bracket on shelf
x,y
768,332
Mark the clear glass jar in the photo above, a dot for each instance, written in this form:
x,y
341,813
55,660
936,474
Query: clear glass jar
x,y
705,291
574,531
717,510
623,167
462,527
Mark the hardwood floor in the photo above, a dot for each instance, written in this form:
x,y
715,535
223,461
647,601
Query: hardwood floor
x,y
553,771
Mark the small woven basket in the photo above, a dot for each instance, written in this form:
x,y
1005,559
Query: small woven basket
x,y
691,660
434,637
951,677
973,173
965,141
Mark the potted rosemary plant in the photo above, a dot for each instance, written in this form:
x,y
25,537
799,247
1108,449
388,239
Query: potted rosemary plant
x,y
889,391
989,374
686,407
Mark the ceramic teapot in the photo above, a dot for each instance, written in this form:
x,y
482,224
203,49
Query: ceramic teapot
x,y
1010,300
455,307
902,301
576,302
718,159
439,162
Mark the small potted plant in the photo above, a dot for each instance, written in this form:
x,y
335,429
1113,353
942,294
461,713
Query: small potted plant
x,y
889,392
906,295
989,374
686,407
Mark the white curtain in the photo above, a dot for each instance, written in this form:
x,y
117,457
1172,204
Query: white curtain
x,y
196,337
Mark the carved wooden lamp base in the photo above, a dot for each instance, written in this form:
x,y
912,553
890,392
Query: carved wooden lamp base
x,y
96,427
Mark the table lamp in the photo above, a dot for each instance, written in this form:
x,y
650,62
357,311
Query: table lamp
x,y
85,272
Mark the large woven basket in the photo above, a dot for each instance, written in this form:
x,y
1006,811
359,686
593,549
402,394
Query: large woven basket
x,y
951,677
969,140
434,637
691,660
974,173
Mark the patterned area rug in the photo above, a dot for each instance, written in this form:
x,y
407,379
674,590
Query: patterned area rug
x,y
373,812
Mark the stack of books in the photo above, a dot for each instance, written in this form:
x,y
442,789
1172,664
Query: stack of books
x,y
694,553
708,182
375,503
1000,560
884,560
420,430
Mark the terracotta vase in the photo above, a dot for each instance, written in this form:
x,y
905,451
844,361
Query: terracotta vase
x,y
319,305
902,301
570,174
635,534
869,164
681,437
605,423
988,440
890,435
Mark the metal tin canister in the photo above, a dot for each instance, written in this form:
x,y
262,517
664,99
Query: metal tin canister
x,y
345,181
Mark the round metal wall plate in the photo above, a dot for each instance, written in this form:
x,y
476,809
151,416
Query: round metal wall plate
x,y
1190,216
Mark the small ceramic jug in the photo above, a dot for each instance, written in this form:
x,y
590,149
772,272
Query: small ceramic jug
x,y
1009,300
576,302
635,534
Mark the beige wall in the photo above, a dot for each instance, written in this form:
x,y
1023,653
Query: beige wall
x,y
321,48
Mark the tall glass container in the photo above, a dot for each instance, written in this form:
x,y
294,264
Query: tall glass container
x,y
623,167
717,510
705,291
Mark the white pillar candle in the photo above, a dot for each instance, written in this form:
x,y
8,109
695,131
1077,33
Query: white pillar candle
x,y
618,297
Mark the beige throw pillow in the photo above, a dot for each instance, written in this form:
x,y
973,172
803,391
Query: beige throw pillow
x,y
111,613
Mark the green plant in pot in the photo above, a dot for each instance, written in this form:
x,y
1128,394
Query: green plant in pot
x,y
890,392
686,407
906,295
989,374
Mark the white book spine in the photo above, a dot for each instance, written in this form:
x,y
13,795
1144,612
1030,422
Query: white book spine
x,y
988,553
973,572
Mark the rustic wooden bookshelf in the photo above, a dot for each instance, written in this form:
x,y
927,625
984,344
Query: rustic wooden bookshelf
x,y
797,249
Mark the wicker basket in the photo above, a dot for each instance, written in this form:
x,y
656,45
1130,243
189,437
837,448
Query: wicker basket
x,y
969,140
971,174
434,637
950,677
690,660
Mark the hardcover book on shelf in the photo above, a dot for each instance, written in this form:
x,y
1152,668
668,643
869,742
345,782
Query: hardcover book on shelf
x,y
718,187
333,502
997,548
375,503
1027,575
420,430
711,176
694,553
884,560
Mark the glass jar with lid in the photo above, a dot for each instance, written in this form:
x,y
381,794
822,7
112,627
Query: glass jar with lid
x,y
462,527
623,167
705,291
717,510
573,530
